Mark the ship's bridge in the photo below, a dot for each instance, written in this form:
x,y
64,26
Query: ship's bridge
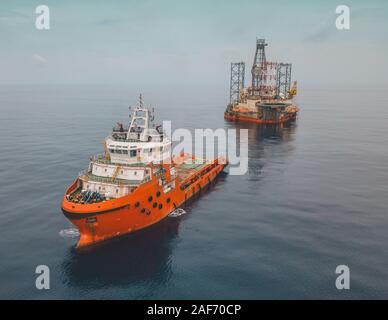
x,y
141,142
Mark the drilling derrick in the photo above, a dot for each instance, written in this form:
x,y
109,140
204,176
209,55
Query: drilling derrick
x,y
268,79
237,75
258,67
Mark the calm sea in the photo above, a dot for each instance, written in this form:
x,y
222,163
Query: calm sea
x,y
315,196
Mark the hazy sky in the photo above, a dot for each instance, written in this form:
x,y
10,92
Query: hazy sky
x,y
190,42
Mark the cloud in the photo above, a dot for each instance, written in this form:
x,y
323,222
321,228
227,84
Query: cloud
x,y
321,32
107,22
41,60
13,14
14,17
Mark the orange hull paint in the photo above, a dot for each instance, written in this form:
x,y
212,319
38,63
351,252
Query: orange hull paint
x,y
242,118
108,219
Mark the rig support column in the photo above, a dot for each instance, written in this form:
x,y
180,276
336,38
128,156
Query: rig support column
x,y
237,75
283,79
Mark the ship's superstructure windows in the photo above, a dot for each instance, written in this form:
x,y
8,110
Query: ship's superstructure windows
x,y
139,142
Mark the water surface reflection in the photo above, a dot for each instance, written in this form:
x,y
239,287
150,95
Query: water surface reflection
x,y
127,260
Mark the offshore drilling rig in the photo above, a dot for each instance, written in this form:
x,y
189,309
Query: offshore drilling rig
x,y
269,98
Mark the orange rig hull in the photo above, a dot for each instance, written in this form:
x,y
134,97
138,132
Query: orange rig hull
x,y
147,205
242,118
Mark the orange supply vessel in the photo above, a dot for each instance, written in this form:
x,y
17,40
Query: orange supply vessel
x,y
135,183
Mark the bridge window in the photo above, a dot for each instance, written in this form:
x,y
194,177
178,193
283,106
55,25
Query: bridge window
x,y
133,153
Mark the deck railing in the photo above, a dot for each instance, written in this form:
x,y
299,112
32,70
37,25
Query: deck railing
x,y
91,177
101,159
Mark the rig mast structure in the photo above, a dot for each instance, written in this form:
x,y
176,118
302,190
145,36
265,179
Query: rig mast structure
x,y
237,78
283,79
269,79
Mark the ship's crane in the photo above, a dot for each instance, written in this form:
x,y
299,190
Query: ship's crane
x,y
115,174
293,91
105,148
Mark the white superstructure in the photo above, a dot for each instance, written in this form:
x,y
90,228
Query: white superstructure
x,y
128,153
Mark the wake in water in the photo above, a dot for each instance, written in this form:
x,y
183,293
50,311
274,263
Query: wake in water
x,y
69,233
177,212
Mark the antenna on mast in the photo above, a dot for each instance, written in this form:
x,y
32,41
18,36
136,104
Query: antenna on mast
x,y
141,101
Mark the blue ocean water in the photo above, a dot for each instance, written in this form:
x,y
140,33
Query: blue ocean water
x,y
314,197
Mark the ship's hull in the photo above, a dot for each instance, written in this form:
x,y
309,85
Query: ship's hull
x,y
240,117
144,207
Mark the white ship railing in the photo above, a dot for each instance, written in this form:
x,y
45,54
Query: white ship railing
x,y
91,177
